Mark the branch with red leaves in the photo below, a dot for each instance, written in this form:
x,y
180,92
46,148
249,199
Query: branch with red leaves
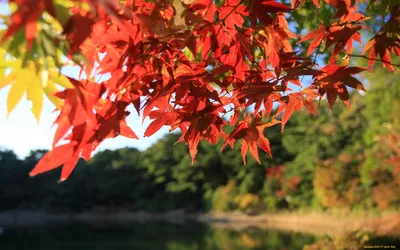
x,y
190,65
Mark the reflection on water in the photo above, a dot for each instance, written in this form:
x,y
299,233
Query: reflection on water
x,y
151,236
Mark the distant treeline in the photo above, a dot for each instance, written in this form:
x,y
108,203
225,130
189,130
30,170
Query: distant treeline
x,y
342,158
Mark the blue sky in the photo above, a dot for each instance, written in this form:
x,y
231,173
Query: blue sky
x,y
21,133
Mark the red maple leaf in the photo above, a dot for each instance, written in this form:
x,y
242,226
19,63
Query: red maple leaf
x,y
334,79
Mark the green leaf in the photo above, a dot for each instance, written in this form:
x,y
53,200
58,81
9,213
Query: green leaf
x,y
48,45
189,54
62,9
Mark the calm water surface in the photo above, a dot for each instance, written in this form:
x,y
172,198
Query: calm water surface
x,y
150,236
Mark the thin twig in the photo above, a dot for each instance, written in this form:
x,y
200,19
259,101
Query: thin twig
x,y
375,59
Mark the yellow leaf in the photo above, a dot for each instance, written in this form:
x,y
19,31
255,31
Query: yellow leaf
x,y
17,89
50,89
7,80
5,64
35,94
61,80
44,78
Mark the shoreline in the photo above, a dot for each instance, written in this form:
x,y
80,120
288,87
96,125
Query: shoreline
x,y
313,223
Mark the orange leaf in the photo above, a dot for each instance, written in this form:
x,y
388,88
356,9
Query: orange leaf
x,y
155,126
53,159
243,150
264,144
317,36
126,131
310,105
69,167
294,104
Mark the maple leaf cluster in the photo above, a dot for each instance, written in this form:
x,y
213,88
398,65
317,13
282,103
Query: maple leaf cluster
x,y
196,66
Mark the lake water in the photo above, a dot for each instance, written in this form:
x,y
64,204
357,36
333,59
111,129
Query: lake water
x,y
150,236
